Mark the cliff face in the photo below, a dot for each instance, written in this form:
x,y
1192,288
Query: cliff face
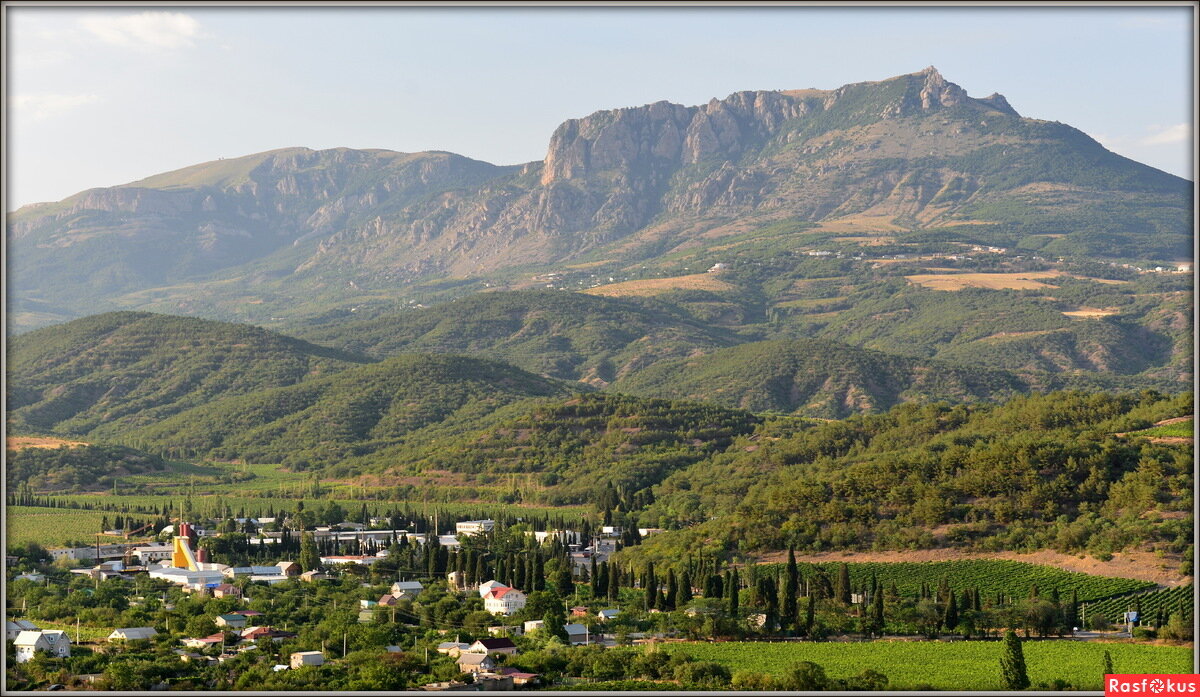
x,y
915,150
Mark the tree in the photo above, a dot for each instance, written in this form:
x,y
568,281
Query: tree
x,y
810,615
950,618
843,584
309,559
1012,663
877,612
791,584
806,675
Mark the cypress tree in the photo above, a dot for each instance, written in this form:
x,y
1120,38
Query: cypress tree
x,y
950,618
877,613
843,584
672,591
732,583
1012,663
684,595
810,615
791,589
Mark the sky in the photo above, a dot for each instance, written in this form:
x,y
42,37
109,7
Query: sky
x,y
105,96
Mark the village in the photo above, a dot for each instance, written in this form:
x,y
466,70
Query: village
x,y
492,619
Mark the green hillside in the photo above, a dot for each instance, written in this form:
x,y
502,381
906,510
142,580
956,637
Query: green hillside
x,y
815,378
102,375
564,335
357,411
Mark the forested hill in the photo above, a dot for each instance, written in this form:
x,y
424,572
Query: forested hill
x,y
324,420
816,378
1039,471
104,374
564,335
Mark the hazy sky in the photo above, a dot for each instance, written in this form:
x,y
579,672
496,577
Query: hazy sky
x,y
99,97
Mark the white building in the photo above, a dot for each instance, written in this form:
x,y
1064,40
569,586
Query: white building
x,y
133,634
504,601
152,553
485,588
53,641
307,658
406,589
474,527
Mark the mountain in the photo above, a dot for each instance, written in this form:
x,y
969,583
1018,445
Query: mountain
x,y
105,374
571,336
815,378
325,420
295,231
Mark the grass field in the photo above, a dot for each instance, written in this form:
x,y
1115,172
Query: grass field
x,y
54,527
654,286
965,665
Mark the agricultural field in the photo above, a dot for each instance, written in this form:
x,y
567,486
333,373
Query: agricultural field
x,y
989,576
19,442
963,665
654,286
1167,598
54,527
992,281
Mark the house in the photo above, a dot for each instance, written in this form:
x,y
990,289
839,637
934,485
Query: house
x,y
580,611
231,621
54,642
32,576
485,588
314,575
606,615
476,663
368,604
510,630
578,634
300,659
534,625
362,559
402,590
474,527
133,634
452,648
152,553
253,634
14,627
523,678
504,601
388,600
223,590
288,568
493,646
247,613
205,642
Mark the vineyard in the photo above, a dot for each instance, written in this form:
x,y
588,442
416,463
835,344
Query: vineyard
x,y
1179,598
54,527
1012,578
962,665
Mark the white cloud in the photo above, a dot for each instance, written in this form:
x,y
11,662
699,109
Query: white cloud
x,y
1169,135
145,30
37,107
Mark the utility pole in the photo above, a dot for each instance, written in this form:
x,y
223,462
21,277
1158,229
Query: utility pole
x,y
343,644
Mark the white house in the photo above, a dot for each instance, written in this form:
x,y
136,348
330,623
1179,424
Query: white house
x,y
485,588
153,553
504,601
12,628
474,527
307,658
606,615
132,634
534,625
402,590
54,642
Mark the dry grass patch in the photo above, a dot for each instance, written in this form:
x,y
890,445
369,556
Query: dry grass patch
x,y
654,286
1090,313
992,281
20,442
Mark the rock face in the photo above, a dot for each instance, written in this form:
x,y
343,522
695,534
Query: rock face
x,y
915,148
